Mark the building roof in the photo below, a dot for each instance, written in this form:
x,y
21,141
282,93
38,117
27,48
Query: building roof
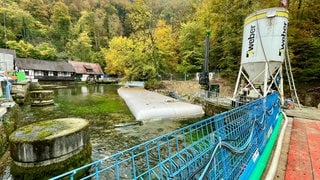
x,y
33,64
86,68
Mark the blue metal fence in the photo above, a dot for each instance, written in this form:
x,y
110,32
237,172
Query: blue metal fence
x,y
219,147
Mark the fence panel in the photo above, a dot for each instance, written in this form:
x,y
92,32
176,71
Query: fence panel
x,y
219,147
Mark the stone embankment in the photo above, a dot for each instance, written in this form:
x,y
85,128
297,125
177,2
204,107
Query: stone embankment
x,y
19,92
192,87
190,91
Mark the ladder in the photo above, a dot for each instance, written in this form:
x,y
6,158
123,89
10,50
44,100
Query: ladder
x,y
293,91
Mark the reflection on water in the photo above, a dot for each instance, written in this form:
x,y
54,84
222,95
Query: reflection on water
x,y
103,108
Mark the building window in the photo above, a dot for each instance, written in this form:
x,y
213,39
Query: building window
x,y
25,71
38,73
50,73
88,68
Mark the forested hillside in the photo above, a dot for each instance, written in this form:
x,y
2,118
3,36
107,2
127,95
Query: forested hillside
x,y
139,39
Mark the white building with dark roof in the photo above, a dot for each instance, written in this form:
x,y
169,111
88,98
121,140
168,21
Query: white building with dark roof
x,y
45,70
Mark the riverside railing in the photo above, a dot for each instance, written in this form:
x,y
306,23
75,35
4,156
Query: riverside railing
x,y
224,146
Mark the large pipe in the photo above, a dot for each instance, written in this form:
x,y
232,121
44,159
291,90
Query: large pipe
x,y
275,160
263,160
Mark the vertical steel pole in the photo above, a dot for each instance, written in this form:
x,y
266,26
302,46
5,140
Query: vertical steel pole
x,y
206,55
204,75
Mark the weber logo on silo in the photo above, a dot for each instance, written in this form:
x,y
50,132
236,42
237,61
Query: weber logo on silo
x,y
283,35
251,40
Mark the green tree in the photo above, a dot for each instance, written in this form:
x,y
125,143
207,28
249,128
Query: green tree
x,y
143,59
37,8
122,12
44,51
139,16
80,49
303,38
114,25
94,24
158,46
18,24
191,40
60,26
225,20
177,12
307,51
23,49
142,62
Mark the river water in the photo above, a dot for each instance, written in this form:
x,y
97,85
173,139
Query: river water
x,y
104,109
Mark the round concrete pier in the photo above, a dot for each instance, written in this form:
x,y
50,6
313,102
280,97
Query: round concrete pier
x,y
48,147
41,97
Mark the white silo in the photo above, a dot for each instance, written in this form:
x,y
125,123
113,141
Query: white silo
x,y
263,52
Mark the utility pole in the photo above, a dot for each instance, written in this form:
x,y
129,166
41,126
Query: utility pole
x,y
4,23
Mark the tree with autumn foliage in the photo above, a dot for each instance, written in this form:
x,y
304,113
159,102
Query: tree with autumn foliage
x,y
128,59
166,36
166,48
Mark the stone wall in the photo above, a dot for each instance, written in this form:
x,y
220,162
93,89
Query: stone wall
x,y
188,90
211,108
182,87
193,87
19,92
